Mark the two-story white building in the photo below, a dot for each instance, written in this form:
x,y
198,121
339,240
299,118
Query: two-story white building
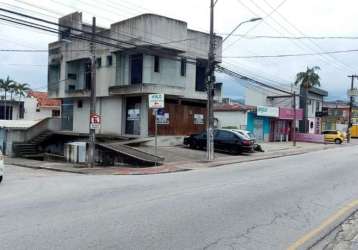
x,y
158,55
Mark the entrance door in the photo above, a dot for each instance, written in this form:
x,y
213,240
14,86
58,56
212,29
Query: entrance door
x,y
67,115
133,105
259,129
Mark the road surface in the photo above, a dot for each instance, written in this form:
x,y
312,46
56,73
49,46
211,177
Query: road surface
x,y
256,205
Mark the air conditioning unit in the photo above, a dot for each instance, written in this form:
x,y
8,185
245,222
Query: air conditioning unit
x,y
76,152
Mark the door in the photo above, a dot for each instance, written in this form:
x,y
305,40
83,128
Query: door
x,y
259,129
133,110
67,115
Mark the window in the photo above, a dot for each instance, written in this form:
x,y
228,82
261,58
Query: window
x,y
38,109
79,104
200,81
317,106
99,62
156,64
183,67
55,113
109,60
136,67
224,135
72,76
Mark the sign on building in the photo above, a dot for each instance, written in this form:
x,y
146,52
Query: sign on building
x,y
162,117
352,92
133,115
198,119
156,101
268,111
95,121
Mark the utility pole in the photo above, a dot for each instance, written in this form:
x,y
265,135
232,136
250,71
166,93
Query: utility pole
x,y
92,130
294,120
350,110
210,88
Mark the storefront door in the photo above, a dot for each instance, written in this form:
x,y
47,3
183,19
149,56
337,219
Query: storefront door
x,y
259,129
133,105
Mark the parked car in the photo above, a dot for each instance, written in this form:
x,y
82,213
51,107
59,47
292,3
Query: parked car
x,y
1,167
226,140
246,133
335,136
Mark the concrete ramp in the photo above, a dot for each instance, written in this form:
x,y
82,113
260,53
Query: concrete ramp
x,y
132,153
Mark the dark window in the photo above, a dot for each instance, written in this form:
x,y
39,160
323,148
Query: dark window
x,y
136,63
99,62
65,33
22,110
38,109
88,75
200,83
72,76
156,64
183,67
79,104
225,135
109,60
55,113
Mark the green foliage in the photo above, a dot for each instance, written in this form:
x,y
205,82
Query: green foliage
x,y
309,78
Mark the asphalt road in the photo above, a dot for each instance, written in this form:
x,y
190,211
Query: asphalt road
x,y
256,205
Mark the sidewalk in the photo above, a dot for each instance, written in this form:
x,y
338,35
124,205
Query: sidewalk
x,y
179,159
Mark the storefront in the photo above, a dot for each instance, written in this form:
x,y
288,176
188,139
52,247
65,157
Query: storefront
x,y
259,122
281,127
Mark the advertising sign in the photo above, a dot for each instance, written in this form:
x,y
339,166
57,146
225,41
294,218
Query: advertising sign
x,y
162,117
288,113
352,92
198,119
133,115
95,121
156,101
267,111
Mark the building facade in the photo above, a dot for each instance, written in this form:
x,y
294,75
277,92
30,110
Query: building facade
x,y
38,106
157,54
232,115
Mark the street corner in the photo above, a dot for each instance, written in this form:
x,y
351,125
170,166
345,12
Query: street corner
x,y
321,236
164,169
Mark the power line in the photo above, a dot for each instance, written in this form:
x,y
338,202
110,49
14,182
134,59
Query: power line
x,y
295,55
243,36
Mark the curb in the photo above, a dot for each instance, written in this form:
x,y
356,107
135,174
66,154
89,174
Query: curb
x,y
46,168
330,224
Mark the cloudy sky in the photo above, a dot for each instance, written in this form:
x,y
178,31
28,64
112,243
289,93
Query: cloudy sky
x,y
282,18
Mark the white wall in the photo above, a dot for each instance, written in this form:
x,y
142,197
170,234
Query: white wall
x,y
231,118
110,110
30,105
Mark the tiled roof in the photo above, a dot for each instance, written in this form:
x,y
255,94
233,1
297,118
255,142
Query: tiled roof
x,y
43,100
233,107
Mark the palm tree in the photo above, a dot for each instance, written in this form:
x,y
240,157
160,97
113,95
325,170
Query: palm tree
x,y
21,90
6,85
307,80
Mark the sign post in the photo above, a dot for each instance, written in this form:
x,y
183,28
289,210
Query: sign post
x,y
156,102
95,121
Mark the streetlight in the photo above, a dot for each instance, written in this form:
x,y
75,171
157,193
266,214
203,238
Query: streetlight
x,y
247,21
211,80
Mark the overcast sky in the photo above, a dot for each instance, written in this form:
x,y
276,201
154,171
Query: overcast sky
x,y
291,18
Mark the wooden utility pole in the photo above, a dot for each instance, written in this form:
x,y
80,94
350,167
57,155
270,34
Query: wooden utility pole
x,y
210,88
92,130
350,110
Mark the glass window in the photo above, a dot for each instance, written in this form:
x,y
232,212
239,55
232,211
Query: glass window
x,y
109,60
156,64
183,67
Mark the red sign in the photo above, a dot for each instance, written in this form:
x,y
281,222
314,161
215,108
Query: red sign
x,y
288,114
95,121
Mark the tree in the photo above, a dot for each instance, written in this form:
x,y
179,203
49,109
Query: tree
x,y
307,80
6,84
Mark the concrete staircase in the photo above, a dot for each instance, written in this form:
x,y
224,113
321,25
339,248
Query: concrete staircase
x,y
31,148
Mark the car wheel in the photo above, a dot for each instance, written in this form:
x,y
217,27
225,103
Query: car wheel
x,y
337,141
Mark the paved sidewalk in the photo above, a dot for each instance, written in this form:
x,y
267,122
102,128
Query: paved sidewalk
x,y
82,169
345,237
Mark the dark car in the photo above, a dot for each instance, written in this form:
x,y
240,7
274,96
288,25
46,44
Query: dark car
x,y
225,140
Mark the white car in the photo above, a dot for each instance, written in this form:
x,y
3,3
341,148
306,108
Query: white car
x,y
1,166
